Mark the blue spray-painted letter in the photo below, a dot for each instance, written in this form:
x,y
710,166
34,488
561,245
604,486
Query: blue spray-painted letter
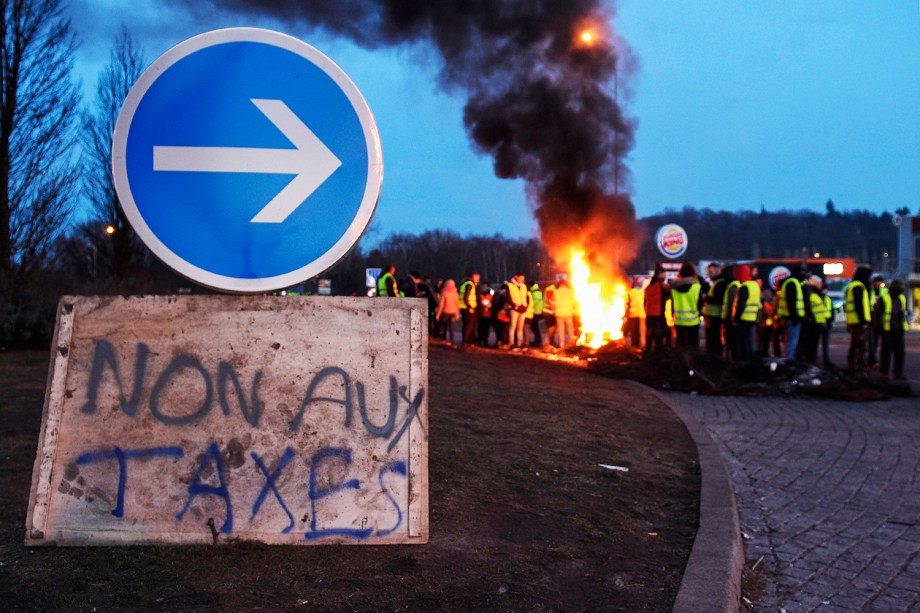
x,y
320,457
199,488
122,456
271,484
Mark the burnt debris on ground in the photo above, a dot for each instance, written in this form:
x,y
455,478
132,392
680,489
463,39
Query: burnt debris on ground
x,y
693,371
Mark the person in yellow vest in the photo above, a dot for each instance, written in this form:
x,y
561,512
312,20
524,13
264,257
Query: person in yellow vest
x,y
528,316
728,324
519,298
859,316
893,316
635,314
565,315
791,309
386,284
816,315
536,301
669,319
469,293
712,309
686,298
875,328
745,310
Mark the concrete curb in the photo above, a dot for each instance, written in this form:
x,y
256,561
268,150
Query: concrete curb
x,y
712,579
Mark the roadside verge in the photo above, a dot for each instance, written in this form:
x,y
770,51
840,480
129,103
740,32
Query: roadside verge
x,y
712,579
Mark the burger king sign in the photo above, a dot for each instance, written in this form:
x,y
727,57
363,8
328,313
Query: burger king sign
x,y
777,276
671,240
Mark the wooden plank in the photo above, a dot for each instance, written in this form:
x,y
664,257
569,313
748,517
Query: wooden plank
x,y
214,419
40,494
418,433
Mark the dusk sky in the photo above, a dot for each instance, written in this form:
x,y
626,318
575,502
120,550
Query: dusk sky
x,y
739,104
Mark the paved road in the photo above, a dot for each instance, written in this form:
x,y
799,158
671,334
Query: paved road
x,y
840,342
828,495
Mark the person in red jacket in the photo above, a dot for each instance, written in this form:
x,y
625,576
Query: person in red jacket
x,y
657,332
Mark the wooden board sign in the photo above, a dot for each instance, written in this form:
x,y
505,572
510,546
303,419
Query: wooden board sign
x,y
219,419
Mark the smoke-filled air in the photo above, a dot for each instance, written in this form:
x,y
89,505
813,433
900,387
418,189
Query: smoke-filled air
x,y
542,79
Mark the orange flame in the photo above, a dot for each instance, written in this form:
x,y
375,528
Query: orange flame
x,y
602,309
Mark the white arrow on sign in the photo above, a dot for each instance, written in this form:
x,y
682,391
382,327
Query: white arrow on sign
x,y
311,161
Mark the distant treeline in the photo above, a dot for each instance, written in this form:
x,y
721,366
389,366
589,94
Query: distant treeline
x,y
86,262
870,238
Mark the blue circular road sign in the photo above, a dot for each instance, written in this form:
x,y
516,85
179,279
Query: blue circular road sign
x,y
247,160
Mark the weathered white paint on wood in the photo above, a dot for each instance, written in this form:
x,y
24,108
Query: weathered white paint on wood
x,y
215,419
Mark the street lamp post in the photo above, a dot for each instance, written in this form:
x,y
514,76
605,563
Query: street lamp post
x,y
110,231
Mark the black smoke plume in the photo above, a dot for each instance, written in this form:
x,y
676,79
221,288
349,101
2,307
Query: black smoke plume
x,y
542,100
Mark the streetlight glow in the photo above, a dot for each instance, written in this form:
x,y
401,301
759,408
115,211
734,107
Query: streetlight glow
x,y
110,229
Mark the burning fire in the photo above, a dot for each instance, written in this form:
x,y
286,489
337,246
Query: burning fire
x,y
602,308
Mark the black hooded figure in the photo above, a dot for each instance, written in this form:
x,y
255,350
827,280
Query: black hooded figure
x,y
800,274
876,288
892,317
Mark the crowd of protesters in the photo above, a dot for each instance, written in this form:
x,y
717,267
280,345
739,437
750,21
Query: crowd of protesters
x,y
509,315
741,316
789,318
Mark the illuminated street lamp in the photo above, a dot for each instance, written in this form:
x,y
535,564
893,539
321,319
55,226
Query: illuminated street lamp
x,y
110,231
587,34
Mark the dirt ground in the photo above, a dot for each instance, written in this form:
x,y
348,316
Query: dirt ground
x,y
522,517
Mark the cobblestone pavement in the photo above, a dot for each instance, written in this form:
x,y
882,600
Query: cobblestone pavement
x,y
828,495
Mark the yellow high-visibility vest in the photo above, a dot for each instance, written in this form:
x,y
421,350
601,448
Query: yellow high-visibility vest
x,y
886,311
382,285
467,286
686,306
752,307
850,307
818,307
728,299
712,309
783,308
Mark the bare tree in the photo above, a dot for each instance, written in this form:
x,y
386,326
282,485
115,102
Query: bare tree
x,y
126,63
445,254
38,109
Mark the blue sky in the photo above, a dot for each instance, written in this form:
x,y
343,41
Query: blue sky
x,y
740,104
